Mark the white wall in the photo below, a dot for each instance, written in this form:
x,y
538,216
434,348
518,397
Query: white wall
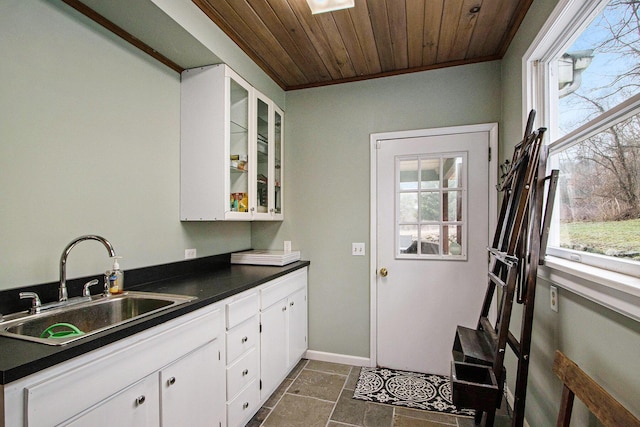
x,y
89,143
327,176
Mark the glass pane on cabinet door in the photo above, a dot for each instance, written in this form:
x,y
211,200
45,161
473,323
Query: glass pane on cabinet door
x,y
262,148
238,147
277,163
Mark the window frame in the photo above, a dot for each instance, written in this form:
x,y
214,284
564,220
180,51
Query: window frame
x,y
586,274
462,189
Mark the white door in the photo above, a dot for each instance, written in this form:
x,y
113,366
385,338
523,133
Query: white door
x,y
432,227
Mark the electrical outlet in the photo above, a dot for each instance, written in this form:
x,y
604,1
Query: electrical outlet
x,y
189,253
357,249
287,245
553,297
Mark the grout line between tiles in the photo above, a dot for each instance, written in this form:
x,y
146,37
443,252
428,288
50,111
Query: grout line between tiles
x,y
338,399
284,392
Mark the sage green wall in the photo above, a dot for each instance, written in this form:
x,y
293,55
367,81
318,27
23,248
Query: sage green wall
x,y
604,343
193,20
89,143
327,176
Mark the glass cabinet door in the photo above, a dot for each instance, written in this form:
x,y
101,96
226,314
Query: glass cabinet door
x,y
262,177
277,162
239,165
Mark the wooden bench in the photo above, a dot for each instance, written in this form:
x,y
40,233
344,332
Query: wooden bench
x,y
577,383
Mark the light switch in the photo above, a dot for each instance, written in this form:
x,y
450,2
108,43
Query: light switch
x,y
357,249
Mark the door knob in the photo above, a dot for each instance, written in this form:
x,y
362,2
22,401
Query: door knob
x,y
384,272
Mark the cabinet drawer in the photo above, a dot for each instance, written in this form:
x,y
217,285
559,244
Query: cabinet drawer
x,y
242,372
240,409
241,309
281,288
242,338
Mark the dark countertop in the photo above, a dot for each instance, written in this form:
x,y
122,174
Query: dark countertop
x,y
19,358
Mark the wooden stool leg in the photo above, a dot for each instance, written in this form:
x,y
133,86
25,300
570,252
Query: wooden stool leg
x,y
566,405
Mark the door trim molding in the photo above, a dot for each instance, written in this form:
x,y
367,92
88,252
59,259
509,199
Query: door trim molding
x,y
492,129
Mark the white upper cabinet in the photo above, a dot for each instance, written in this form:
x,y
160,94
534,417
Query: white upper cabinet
x,y
231,149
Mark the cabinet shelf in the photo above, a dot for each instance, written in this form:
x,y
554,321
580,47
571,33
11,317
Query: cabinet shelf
x,y
238,127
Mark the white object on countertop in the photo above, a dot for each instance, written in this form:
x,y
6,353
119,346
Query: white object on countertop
x,y
265,257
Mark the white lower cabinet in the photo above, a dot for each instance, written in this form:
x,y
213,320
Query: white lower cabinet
x,y
266,338
130,381
213,367
190,388
273,357
298,313
243,357
283,317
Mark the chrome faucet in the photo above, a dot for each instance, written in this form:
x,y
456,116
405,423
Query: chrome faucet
x,y
62,293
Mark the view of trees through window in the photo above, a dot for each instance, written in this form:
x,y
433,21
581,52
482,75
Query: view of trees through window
x,y
599,188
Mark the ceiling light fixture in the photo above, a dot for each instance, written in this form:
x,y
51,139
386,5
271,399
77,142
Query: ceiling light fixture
x,y
321,6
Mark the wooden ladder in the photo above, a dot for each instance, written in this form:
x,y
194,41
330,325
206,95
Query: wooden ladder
x,y
477,371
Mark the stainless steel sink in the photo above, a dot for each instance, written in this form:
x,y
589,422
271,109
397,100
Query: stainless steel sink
x,y
66,324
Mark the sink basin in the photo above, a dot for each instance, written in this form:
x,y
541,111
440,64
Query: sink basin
x,y
66,324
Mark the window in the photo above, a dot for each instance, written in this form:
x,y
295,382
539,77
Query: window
x,y
584,81
431,206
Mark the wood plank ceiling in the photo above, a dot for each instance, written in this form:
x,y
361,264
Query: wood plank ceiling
x,y
376,38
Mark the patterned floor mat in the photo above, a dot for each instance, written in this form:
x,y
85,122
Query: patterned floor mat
x,y
409,389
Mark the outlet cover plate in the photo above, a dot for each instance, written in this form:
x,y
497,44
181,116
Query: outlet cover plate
x,y
553,298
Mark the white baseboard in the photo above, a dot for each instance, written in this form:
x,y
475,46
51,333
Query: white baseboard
x,y
337,358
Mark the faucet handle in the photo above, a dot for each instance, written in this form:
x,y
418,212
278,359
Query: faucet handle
x,y
35,300
85,289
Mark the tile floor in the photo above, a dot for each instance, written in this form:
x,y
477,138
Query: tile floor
x,y
320,394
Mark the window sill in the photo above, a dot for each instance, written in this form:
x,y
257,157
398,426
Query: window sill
x,y
618,292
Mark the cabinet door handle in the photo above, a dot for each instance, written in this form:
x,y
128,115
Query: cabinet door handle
x,y
245,372
245,405
244,339
284,308
140,400
291,304
171,381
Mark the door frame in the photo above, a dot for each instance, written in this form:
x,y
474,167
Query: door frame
x,y
492,129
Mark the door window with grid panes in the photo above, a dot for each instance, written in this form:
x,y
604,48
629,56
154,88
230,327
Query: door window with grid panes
x,y
431,204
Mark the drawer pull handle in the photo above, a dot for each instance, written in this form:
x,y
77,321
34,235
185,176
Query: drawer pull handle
x,y
171,381
244,339
140,400
245,372
245,405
